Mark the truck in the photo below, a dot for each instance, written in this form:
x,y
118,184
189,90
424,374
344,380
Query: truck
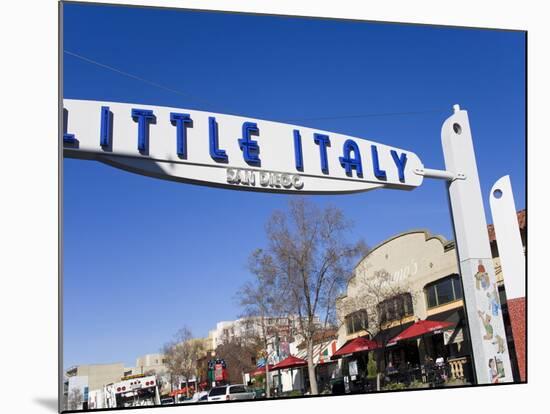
x,y
135,391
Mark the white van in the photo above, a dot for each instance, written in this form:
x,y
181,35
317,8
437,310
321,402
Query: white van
x,y
230,393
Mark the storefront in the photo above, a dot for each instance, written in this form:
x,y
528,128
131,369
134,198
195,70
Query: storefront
x,y
325,367
291,376
408,278
353,360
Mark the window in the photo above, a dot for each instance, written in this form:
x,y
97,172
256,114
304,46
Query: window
x,y
431,297
356,321
395,308
237,389
443,291
217,391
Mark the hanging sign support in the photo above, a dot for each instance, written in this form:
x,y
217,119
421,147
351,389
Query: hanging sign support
x,y
487,335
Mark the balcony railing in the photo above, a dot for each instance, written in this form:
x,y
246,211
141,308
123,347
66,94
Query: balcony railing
x,y
457,366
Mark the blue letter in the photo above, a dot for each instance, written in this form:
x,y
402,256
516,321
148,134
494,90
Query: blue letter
x,y
400,162
350,163
105,133
216,153
180,121
249,147
143,117
378,173
67,138
323,141
298,156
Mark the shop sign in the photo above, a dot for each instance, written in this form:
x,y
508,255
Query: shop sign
x,y
449,336
353,368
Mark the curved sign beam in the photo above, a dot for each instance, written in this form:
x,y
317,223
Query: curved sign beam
x,y
231,151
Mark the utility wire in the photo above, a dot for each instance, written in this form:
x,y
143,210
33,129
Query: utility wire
x,y
166,88
121,72
325,118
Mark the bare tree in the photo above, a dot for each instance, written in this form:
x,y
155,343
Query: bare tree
x,y
74,399
240,355
307,260
378,293
260,301
382,292
181,355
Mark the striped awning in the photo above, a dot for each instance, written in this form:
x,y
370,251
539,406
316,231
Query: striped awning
x,y
321,352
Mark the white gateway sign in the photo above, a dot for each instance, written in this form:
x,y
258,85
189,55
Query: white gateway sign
x,y
231,151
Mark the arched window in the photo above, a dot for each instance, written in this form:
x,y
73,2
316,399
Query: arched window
x,y
443,291
395,308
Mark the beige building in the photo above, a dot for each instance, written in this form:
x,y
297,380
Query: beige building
x,y
250,327
148,363
414,276
411,276
87,380
98,375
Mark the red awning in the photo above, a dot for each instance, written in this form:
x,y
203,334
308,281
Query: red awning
x,y
290,362
420,328
355,345
260,371
182,391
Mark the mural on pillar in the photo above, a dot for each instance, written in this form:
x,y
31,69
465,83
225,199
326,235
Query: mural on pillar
x,y
482,277
489,310
494,301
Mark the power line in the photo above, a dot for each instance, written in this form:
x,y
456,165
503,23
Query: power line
x,y
138,78
325,118
185,94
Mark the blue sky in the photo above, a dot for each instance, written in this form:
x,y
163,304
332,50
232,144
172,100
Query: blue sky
x,y
143,257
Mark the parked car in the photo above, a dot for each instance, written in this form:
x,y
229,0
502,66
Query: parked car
x,y
198,396
230,393
259,393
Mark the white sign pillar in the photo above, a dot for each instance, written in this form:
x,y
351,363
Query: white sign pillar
x,y
510,248
486,327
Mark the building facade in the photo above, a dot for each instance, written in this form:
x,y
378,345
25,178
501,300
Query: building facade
x,y
98,374
88,378
283,329
409,277
149,363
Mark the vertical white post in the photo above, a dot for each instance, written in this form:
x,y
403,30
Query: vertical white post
x,y
510,248
486,326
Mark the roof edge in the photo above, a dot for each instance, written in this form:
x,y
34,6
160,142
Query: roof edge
x,y
427,236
